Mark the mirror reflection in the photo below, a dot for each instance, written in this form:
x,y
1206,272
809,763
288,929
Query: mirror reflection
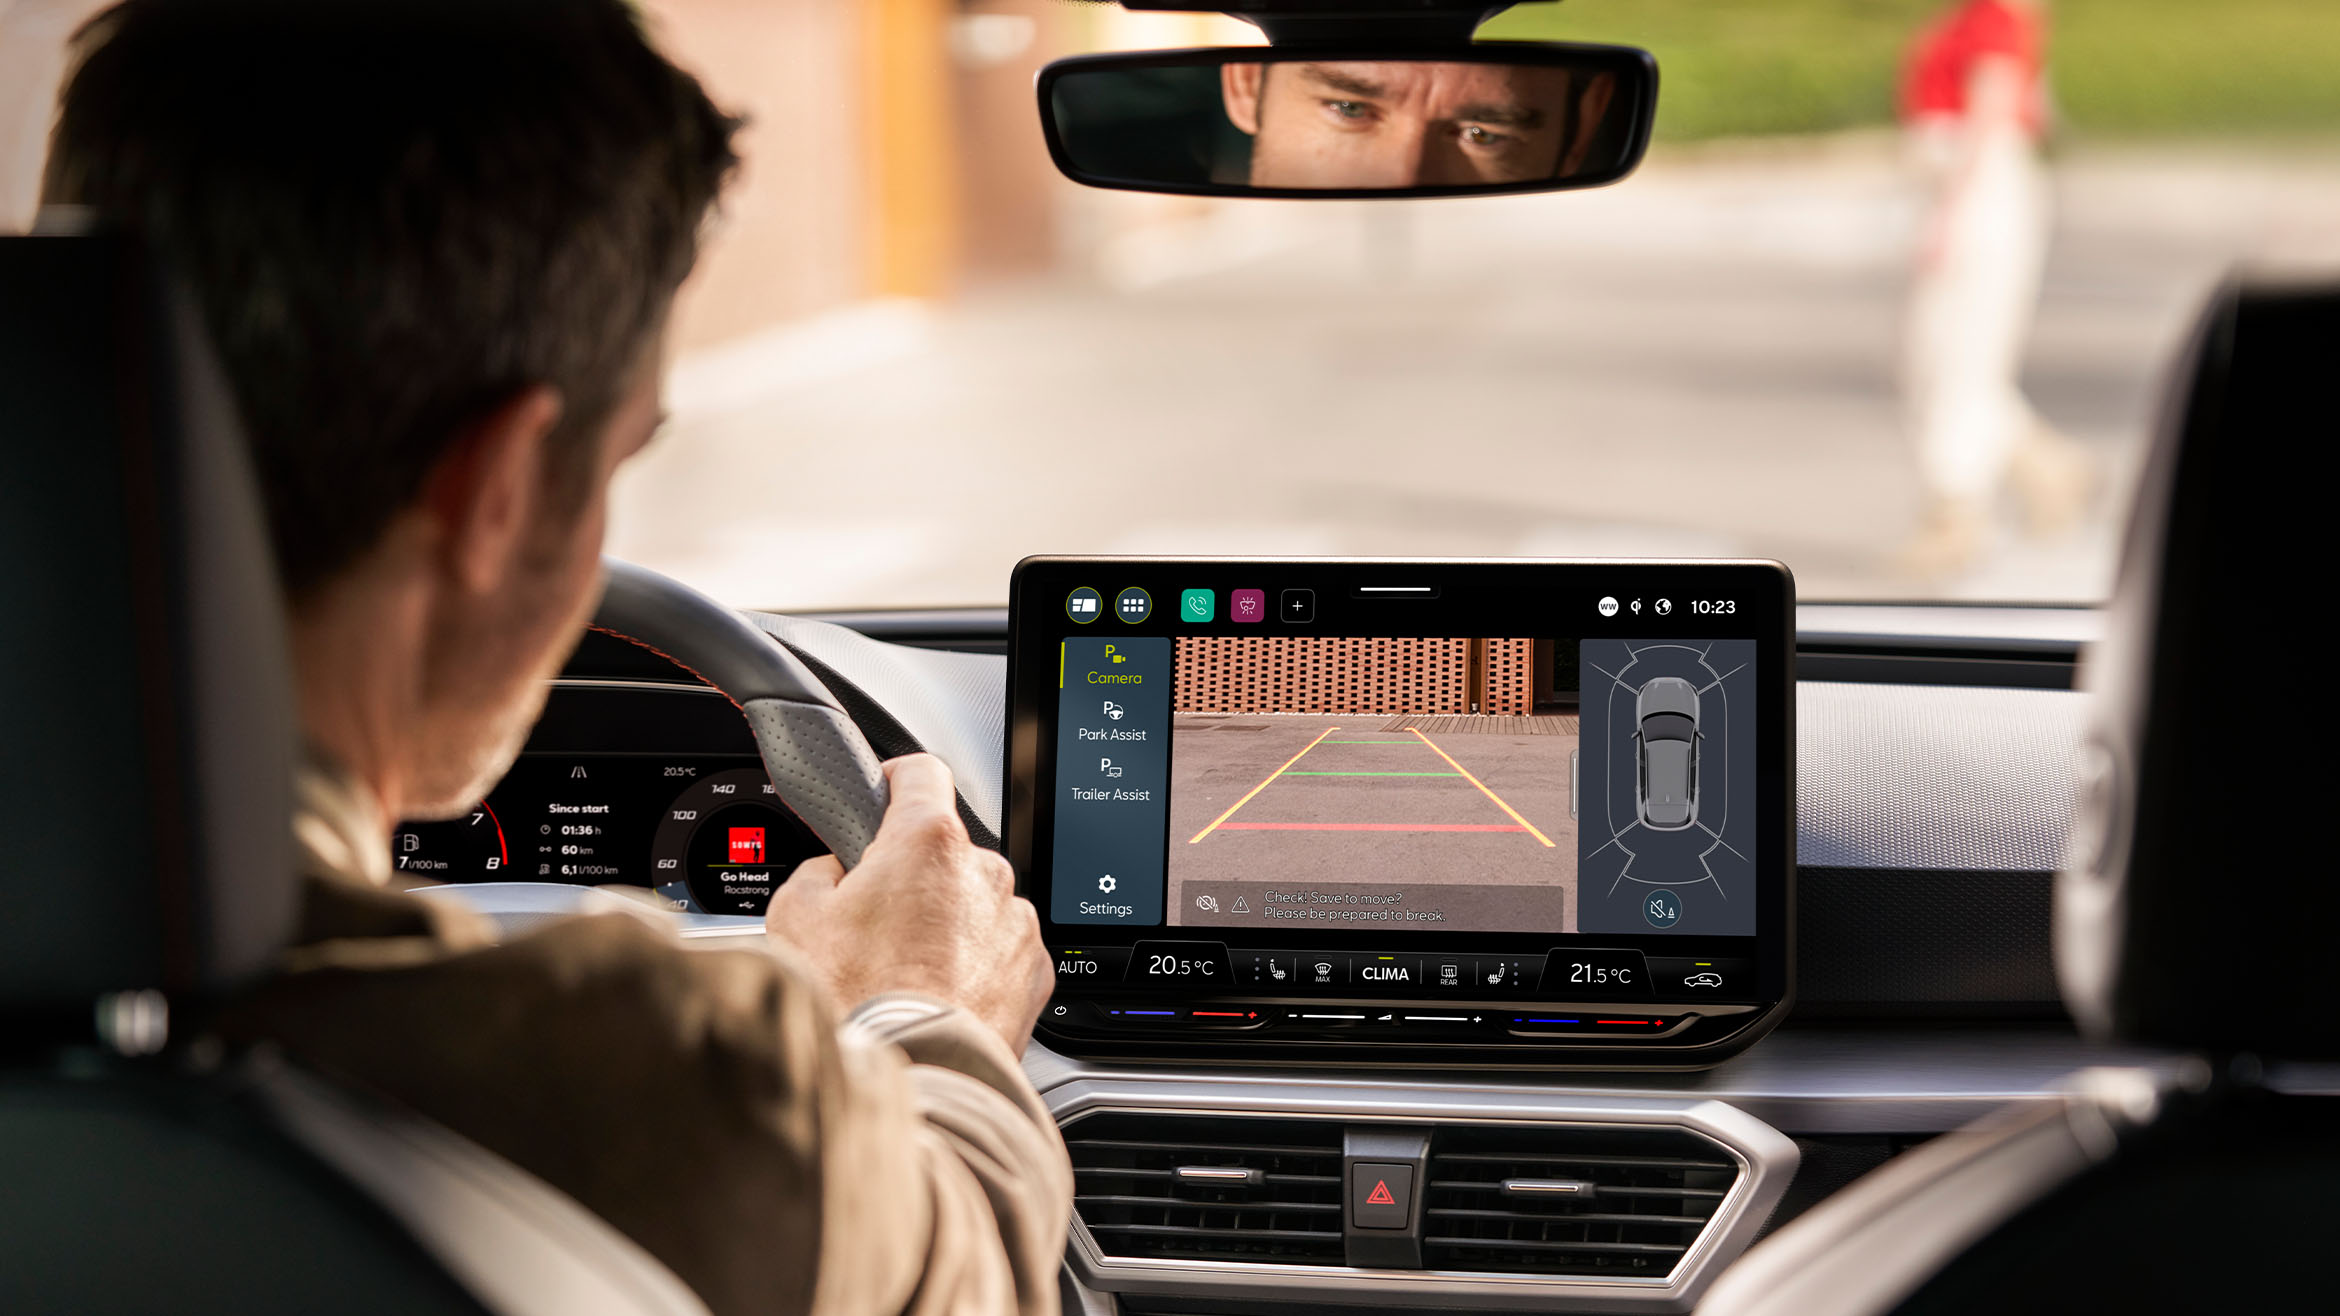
x,y
1358,123
1241,122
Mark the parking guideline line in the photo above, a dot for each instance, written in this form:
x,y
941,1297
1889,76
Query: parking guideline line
x,y
1466,776
1307,773
1369,827
1198,836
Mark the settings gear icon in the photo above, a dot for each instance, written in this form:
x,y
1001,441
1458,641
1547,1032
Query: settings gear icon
x,y
1106,884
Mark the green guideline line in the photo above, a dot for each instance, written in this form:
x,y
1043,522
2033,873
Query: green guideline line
x,y
1372,774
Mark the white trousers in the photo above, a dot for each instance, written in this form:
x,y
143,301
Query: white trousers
x,y
1970,307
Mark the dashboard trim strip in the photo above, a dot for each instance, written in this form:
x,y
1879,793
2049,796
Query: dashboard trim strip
x,y
1894,1081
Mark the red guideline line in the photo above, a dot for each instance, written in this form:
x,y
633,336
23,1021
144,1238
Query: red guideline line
x,y
1368,827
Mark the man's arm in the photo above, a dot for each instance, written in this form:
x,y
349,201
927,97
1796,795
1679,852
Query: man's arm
x,y
713,1105
968,1213
927,937
710,1105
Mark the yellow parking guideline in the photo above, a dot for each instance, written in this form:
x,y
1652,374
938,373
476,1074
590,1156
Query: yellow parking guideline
x,y
1264,785
1060,663
1466,772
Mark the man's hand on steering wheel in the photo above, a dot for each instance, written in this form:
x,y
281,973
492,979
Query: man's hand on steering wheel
x,y
926,910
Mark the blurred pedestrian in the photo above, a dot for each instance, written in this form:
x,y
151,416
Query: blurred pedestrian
x,y
1974,100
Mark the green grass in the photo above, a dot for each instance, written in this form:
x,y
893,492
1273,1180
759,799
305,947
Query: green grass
x,y
2121,68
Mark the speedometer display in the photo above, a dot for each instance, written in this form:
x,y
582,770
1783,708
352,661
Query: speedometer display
x,y
706,831
728,842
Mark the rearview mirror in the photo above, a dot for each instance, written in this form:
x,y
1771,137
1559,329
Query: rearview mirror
x,y
1489,118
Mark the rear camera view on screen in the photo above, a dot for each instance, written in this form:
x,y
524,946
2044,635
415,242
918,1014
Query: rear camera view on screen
x,y
1469,784
1373,783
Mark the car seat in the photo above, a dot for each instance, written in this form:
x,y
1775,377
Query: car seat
x,y
146,743
2193,915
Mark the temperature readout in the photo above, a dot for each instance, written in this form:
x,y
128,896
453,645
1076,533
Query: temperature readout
x,y
1596,970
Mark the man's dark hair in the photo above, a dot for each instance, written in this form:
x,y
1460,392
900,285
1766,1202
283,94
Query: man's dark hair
x,y
394,214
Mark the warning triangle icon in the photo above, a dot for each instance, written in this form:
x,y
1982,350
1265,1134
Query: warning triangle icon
x,y
1380,1194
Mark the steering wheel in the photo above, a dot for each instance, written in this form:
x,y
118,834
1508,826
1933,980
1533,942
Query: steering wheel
x,y
821,766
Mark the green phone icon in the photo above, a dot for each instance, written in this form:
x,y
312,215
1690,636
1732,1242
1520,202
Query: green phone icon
x,y
1197,605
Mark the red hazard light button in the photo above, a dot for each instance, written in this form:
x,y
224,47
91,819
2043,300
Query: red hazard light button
x,y
1381,1195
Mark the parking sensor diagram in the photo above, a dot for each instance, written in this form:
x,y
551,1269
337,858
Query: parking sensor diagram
x,y
1667,743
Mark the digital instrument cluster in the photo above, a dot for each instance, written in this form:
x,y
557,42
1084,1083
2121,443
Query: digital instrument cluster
x,y
706,831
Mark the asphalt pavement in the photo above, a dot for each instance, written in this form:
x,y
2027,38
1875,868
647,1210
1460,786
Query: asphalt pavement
x,y
1697,361
1347,820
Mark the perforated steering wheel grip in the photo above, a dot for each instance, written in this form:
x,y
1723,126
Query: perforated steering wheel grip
x,y
820,765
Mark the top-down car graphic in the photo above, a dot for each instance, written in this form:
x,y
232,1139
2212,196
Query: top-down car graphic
x,y
1665,751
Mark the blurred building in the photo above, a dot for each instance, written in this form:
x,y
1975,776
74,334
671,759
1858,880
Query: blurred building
x,y
893,146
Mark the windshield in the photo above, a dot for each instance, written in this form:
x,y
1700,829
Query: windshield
x,y
1890,301
1667,726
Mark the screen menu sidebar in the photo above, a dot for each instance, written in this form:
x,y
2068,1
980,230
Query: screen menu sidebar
x,y
1112,779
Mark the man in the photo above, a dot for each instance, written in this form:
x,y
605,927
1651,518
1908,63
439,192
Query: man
x,y
1974,99
436,243
1403,123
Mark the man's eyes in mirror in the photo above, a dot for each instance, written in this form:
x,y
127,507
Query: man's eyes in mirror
x,y
1357,112
1480,137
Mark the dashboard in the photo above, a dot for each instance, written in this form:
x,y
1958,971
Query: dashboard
x,y
1933,748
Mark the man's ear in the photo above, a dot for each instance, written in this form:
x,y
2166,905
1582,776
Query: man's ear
x,y
1239,84
484,492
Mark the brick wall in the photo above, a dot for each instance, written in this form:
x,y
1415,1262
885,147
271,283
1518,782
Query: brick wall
x,y
1341,675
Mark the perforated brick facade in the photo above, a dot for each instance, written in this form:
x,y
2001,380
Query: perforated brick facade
x,y
1341,675
1507,677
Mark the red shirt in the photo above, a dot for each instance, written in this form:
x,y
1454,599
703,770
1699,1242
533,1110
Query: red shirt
x,y
1934,79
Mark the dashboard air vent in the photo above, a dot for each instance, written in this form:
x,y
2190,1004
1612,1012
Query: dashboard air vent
x,y
1569,1201
1199,1188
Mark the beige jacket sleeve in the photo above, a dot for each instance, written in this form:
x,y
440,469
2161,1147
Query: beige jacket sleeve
x,y
710,1105
898,1213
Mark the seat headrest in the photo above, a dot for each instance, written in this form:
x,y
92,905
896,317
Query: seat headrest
x,y
146,735
2198,892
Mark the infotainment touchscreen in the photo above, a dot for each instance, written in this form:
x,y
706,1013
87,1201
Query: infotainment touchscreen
x,y
1274,784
